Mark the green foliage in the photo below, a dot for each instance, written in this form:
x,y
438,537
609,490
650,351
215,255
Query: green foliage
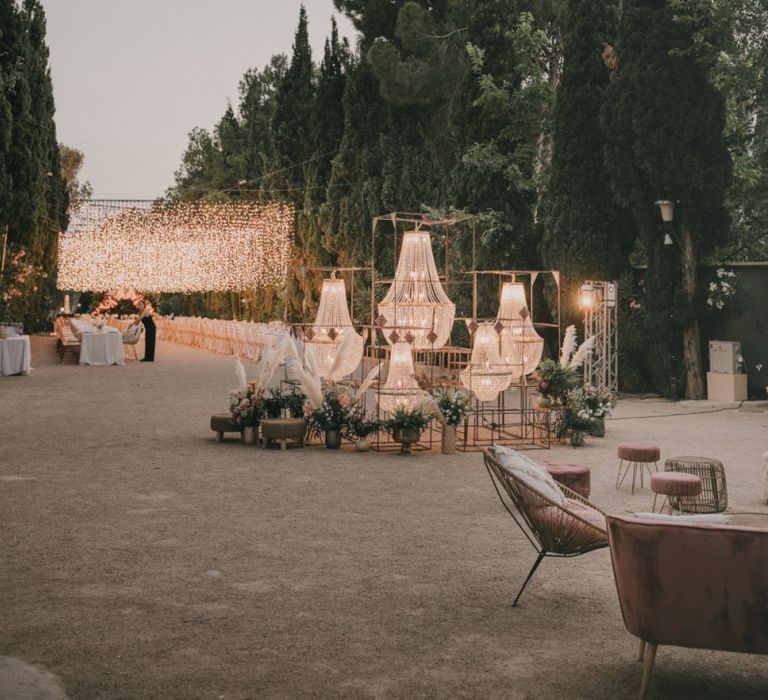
x,y
403,419
554,380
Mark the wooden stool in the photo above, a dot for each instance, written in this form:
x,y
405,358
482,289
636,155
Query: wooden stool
x,y
282,430
222,423
574,476
638,456
674,485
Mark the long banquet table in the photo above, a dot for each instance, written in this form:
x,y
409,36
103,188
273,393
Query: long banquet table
x,y
98,346
15,355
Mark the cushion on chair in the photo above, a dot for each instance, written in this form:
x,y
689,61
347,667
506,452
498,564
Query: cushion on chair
x,y
637,452
675,484
556,516
530,473
575,476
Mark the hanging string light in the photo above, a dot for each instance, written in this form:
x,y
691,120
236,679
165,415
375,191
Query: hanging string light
x,y
401,390
521,345
416,306
180,248
486,375
332,325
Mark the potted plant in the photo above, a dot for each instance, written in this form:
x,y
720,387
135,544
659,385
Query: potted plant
x,y
359,428
599,404
293,401
553,382
406,426
273,403
332,417
453,410
247,409
575,419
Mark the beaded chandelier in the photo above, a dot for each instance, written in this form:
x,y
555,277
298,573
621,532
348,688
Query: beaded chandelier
x,y
332,325
401,390
486,375
416,306
521,345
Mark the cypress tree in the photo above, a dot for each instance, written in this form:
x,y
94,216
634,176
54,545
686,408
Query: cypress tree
x,y
664,124
586,236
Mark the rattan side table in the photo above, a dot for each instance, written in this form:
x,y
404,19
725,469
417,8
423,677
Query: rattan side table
x,y
714,492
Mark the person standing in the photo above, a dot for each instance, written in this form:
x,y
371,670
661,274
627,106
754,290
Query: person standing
x,y
145,318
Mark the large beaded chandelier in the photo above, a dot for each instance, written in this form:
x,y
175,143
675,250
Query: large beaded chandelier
x,y
416,306
400,390
332,324
486,375
521,345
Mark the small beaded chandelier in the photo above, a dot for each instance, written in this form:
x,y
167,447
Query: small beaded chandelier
x,y
401,390
416,306
332,324
521,345
486,375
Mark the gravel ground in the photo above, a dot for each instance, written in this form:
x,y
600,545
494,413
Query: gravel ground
x,y
142,560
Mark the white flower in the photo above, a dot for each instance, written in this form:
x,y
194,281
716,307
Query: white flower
x,y
719,305
712,286
710,301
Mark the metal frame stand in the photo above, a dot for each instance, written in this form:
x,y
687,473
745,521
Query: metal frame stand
x,y
599,301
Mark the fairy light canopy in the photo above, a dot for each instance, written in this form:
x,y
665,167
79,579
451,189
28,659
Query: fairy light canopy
x,y
521,345
328,336
400,390
416,306
198,247
486,375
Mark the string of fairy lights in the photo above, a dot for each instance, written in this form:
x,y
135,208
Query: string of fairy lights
x,y
185,248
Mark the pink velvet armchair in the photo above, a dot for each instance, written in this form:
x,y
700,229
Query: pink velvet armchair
x,y
699,586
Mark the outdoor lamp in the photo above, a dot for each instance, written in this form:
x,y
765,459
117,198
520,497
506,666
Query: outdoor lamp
x,y
587,296
667,209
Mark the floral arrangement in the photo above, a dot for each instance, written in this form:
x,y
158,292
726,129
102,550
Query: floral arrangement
x,y
334,413
246,405
723,289
576,416
599,404
453,409
273,403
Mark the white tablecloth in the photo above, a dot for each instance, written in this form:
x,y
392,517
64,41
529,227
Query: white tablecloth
x,y
15,355
98,347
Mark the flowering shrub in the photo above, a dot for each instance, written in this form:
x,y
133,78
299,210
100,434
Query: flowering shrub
x,y
334,414
246,407
554,380
453,409
20,279
723,289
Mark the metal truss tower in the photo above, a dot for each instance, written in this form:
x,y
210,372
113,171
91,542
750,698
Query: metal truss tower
x,y
599,303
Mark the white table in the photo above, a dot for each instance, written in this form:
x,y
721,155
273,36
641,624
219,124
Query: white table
x,y
15,355
98,347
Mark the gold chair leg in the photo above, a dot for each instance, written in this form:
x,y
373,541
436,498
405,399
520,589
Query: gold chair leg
x,y
650,657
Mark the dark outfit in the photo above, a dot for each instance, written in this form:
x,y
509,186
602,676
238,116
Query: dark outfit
x,y
149,339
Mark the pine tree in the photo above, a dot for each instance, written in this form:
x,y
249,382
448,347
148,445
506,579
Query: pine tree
x,y
664,124
586,235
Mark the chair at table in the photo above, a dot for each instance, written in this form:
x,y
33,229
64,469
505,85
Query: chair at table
x,y
130,339
566,529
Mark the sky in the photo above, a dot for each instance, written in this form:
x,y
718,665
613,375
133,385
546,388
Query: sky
x,y
131,78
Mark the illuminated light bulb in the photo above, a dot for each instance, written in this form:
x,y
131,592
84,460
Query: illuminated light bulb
x,y
521,345
400,390
334,313
486,375
211,247
416,300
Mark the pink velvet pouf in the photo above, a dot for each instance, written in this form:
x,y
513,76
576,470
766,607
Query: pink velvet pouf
x,y
674,485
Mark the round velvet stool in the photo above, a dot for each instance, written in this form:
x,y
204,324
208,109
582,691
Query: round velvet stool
x,y
674,486
574,476
639,456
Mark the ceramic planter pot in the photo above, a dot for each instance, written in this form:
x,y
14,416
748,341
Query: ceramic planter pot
x,y
449,440
577,438
406,437
250,434
362,445
332,439
598,428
